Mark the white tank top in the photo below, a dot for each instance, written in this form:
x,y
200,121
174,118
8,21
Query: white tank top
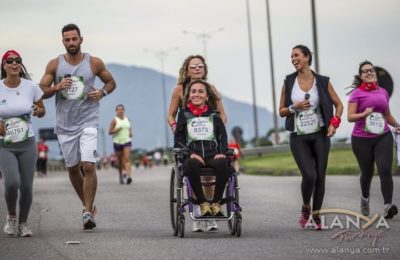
x,y
298,96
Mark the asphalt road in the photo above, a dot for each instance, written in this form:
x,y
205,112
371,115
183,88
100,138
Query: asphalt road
x,y
133,222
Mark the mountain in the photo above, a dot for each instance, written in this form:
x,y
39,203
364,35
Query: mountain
x,y
139,90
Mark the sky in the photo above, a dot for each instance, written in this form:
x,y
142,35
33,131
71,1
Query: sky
x,y
349,31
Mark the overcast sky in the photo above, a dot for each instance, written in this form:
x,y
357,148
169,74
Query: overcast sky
x,y
349,31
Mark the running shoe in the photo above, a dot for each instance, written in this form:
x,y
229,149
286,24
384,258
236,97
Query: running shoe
x,y
390,211
205,209
10,229
216,209
365,206
304,216
211,225
317,221
88,221
197,227
129,180
24,230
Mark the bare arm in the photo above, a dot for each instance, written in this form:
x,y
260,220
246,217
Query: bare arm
x,y
336,101
48,79
111,129
174,104
353,116
220,106
283,111
391,120
100,70
338,108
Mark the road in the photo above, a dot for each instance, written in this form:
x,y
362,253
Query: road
x,y
133,222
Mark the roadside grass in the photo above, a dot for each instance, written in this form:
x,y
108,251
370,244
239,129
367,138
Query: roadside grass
x,y
341,162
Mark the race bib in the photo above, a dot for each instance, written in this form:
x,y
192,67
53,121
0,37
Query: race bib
x,y
307,122
200,128
17,129
375,123
75,91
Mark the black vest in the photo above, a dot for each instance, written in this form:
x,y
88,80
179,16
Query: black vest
x,y
325,100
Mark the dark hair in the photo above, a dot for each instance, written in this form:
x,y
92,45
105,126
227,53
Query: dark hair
x,y
120,105
357,78
306,51
212,97
23,73
70,27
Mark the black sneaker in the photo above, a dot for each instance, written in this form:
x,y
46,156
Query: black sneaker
x,y
129,180
390,211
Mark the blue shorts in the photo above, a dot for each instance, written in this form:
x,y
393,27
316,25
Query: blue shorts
x,y
120,147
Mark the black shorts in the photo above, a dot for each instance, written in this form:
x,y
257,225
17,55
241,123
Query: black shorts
x,y
120,147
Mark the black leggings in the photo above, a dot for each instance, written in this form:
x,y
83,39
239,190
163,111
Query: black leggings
x,y
368,151
192,170
311,152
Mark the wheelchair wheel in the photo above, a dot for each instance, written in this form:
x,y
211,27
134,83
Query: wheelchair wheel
x,y
173,202
238,224
231,223
181,225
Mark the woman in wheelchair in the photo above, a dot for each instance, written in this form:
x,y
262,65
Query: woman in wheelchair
x,y
201,130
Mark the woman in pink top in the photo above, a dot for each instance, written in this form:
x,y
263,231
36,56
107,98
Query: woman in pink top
x,y
371,139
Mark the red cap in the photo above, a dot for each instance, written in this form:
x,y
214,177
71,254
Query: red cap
x,y
8,53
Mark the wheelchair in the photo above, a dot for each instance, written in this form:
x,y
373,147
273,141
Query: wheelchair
x,y
181,196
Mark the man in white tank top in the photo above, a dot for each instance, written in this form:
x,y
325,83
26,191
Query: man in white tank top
x,y
71,77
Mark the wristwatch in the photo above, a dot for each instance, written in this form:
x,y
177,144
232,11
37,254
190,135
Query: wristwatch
x,y
105,93
291,108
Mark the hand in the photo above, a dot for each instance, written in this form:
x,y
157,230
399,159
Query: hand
x,y
305,104
197,157
2,129
64,83
38,111
220,155
368,111
331,131
95,94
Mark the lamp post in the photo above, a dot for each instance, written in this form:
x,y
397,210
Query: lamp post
x,y
162,54
253,87
271,61
315,36
204,36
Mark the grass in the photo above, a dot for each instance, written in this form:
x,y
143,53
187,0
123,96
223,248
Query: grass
x,y
341,162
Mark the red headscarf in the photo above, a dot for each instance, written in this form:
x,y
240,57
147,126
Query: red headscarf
x,y
7,54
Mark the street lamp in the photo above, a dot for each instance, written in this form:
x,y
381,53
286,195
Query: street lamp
x,y
315,36
203,37
271,60
253,87
162,54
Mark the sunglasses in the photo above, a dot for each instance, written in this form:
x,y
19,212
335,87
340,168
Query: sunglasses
x,y
17,60
196,66
365,71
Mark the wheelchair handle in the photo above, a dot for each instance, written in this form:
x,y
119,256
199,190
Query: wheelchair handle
x,y
230,152
180,151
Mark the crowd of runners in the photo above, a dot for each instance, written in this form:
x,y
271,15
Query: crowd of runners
x,y
309,104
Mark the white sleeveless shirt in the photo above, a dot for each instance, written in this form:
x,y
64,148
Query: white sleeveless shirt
x,y
298,96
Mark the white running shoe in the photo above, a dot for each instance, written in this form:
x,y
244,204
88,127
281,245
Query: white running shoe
x,y
24,230
197,227
10,229
212,225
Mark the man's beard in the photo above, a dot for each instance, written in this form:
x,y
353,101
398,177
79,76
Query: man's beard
x,y
73,51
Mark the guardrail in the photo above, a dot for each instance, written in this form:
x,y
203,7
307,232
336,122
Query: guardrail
x,y
284,148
